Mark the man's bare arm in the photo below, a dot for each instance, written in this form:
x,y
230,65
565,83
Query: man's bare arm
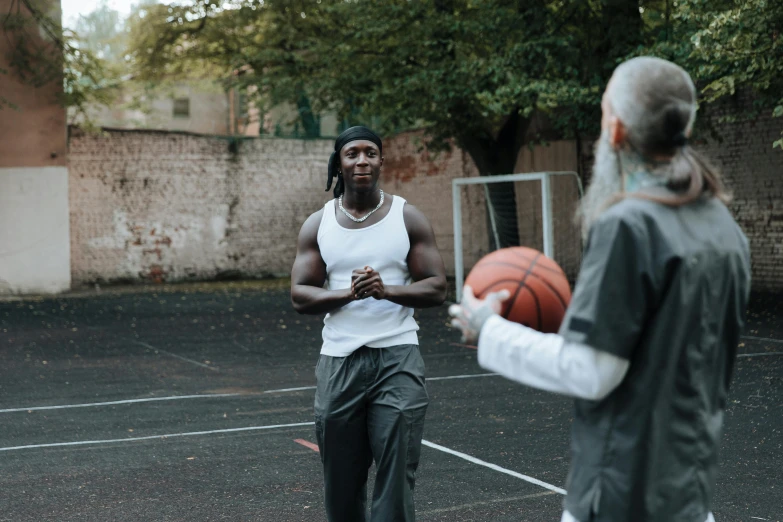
x,y
308,275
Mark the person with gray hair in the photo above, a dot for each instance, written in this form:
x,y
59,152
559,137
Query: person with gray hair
x,y
648,343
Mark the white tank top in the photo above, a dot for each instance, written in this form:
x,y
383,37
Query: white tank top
x,y
384,246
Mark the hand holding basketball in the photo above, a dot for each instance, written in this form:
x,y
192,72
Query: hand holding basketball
x,y
471,314
539,289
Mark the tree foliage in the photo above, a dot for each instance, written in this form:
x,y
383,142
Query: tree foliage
x,y
728,46
470,72
43,52
740,47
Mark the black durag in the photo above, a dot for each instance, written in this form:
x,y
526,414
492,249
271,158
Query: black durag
x,y
353,134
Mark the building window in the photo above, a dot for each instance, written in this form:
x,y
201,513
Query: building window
x,y
182,108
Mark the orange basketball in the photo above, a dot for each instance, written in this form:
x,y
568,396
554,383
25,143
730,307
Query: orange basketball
x,y
539,289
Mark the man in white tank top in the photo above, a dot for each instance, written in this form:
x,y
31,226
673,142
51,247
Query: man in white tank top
x,y
366,260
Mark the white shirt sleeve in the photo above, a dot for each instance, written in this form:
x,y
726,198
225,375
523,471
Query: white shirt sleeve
x,y
547,361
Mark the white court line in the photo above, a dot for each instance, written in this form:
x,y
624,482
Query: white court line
x,y
479,503
495,467
206,396
126,401
142,343
283,390
470,376
277,426
240,345
762,354
769,340
150,437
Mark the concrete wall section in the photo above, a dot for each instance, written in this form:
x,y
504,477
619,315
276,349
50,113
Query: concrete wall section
x,y
170,207
34,236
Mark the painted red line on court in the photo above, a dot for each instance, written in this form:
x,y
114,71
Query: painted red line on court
x,y
307,444
465,346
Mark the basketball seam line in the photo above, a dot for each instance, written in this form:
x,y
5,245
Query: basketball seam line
x,y
535,297
520,254
548,285
513,299
506,263
522,285
538,306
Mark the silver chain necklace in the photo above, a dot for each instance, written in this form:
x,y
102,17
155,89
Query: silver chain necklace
x,y
356,219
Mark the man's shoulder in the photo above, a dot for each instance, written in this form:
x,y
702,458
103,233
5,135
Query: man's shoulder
x,y
414,218
315,216
312,223
410,210
709,222
632,208
644,212
628,213
639,215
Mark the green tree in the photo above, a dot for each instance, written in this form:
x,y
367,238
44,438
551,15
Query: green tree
x,y
726,45
101,32
59,56
738,45
469,72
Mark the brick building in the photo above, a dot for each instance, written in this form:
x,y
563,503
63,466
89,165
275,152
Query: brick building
x,y
34,224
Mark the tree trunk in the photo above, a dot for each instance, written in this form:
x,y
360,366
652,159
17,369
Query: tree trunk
x,y
622,25
494,157
310,122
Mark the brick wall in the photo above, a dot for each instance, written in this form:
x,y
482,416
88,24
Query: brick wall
x,y
159,206
753,172
172,206
424,180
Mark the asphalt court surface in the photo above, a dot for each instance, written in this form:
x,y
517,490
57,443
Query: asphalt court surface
x,y
194,403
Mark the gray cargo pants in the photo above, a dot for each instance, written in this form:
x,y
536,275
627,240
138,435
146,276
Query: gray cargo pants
x,y
370,406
